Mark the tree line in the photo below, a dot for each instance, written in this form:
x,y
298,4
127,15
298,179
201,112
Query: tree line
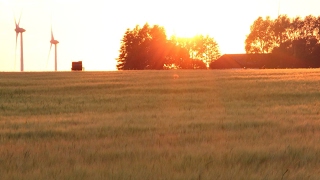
x,y
148,47
288,39
297,37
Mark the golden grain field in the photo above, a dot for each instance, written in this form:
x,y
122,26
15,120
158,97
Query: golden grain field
x,y
184,124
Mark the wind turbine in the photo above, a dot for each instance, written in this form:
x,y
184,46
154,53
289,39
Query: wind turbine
x,y
19,30
54,42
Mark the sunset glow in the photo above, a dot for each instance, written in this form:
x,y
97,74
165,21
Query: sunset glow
x,y
91,31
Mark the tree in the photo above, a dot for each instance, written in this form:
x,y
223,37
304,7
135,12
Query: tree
x,y
157,52
148,48
130,56
280,27
199,47
142,48
260,38
297,38
211,50
177,56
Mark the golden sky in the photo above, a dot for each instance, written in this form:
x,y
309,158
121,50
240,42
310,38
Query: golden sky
x,y
91,30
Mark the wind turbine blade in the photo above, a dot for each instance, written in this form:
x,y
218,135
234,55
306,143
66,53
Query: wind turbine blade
x,y
20,18
52,38
49,55
16,39
15,22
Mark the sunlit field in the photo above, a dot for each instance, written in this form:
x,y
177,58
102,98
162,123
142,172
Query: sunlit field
x,y
209,124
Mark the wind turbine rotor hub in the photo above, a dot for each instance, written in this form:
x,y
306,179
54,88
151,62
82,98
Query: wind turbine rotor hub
x,y
54,41
20,30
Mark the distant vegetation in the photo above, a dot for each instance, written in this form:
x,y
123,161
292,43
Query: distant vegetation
x,y
148,47
296,37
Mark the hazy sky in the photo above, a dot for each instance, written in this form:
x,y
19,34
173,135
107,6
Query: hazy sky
x,y
91,30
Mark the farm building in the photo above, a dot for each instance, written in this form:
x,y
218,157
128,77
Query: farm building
x,y
256,61
77,66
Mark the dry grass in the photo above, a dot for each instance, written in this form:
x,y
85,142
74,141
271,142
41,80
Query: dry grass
x,y
230,124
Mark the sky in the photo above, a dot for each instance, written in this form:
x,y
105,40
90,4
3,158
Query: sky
x,y
91,30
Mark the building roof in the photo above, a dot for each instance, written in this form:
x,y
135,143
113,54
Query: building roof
x,y
256,61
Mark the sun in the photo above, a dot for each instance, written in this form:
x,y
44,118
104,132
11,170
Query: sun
x,y
183,32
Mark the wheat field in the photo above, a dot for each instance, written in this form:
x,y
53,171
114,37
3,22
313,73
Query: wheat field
x,y
177,124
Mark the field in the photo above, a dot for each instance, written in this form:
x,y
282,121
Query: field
x,y
209,124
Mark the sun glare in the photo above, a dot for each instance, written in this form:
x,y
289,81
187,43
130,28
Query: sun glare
x,y
183,32
92,31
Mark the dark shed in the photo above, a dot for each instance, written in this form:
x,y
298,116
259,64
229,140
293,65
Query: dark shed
x,y
77,66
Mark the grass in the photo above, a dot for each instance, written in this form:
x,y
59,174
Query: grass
x,y
222,124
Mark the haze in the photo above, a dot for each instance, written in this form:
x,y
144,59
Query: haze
x,y
91,31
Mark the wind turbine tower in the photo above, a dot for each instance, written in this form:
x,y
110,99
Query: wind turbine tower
x,y
19,30
54,42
